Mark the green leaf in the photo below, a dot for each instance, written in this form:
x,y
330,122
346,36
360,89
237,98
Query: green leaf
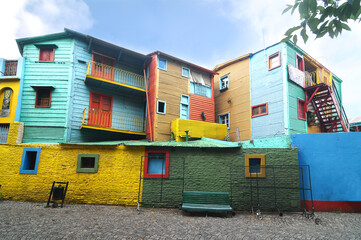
x,y
313,5
287,8
321,33
337,25
295,39
313,23
304,35
294,7
356,6
345,26
286,38
291,30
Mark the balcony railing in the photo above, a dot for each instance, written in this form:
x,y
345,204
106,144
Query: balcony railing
x,y
113,74
11,68
317,77
113,120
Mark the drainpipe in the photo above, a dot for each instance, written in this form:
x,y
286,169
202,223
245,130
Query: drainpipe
x,y
186,136
148,110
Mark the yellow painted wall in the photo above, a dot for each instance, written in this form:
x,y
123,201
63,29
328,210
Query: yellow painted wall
x,y
313,129
170,86
116,182
14,84
236,99
197,129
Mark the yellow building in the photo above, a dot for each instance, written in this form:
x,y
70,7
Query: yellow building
x,y
11,77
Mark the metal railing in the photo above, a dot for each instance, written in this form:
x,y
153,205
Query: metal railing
x,y
113,74
4,131
342,110
318,76
115,120
11,68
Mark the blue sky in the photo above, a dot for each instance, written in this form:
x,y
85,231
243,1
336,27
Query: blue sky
x,y
205,32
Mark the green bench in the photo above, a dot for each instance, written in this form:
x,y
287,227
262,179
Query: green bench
x,y
206,202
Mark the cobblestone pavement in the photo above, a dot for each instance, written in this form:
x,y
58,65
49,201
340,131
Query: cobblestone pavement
x,y
23,220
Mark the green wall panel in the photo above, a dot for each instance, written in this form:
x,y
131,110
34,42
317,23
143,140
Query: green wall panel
x,y
218,170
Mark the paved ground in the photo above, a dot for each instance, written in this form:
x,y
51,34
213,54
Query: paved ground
x,y
20,220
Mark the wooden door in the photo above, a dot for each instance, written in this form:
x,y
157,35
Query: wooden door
x,y
100,110
103,67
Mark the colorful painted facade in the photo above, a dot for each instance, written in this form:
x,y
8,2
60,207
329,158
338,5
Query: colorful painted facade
x,y
177,89
11,84
285,91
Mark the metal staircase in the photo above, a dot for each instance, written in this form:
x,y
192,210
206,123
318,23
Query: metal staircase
x,y
327,108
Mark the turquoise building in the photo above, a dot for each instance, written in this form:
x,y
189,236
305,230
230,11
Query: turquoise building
x,y
78,88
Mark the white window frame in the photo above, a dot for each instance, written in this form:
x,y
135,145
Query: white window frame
x,y
224,82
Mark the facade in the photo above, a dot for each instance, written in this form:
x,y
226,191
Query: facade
x,y
78,88
11,83
177,89
285,91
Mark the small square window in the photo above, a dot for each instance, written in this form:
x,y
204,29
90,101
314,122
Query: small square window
x,y
43,97
274,61
30,161
87,163
46,54
260,110
156,164
161,107
162,63
301,112
224,82
255,165
225,119
185,72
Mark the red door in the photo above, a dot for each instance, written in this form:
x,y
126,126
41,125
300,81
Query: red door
x,y
100,110
103,67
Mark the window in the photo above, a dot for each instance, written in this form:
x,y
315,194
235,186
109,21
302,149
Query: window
x,y
274,61
185,72
260,110
301,111
156,164
4,131
255,165
161,107
224,82
87,163
5,96
300,64
162,63
30,161
225,119
46,54
184,107
43,97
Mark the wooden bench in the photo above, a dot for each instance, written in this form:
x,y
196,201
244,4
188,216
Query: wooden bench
x,y
206,202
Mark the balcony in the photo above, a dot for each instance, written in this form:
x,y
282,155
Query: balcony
x,y
318,76
184,129
113,121
108,74
201,90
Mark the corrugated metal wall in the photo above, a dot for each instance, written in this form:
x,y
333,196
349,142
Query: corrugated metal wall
x,y
199,104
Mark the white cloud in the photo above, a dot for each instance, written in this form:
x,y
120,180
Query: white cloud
x,y
25,18
341,55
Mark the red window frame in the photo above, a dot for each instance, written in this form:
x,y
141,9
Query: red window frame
x,y
300,65
37,97
259,107
51,52
300,109
277,54
156,175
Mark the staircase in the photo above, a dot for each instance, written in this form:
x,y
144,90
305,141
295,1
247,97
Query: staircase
x,y
326,104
